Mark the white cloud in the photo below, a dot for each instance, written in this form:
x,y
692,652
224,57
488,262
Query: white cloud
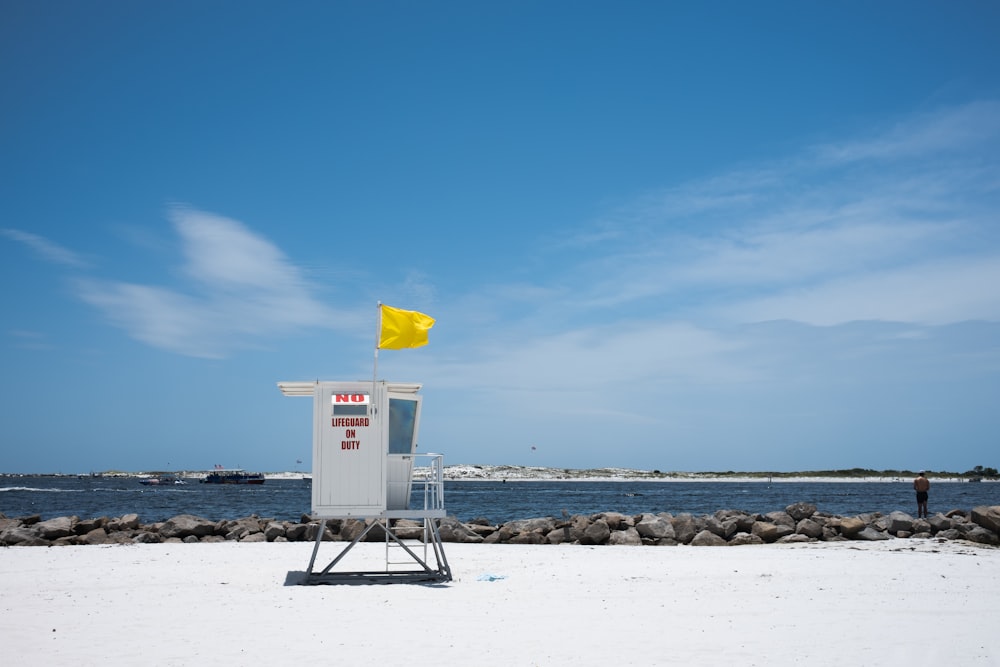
x,y
47,250
244,291
818,239
930,294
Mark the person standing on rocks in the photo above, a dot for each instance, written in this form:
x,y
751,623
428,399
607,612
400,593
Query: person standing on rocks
x,y
921,485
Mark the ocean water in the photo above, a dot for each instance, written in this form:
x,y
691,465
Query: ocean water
x,y
286,499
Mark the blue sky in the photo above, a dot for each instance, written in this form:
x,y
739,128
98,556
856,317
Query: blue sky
x,y
675,236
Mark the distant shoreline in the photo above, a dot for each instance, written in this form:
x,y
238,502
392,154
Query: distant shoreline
x,y
506,473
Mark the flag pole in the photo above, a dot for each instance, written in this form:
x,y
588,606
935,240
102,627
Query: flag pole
x,y
378,333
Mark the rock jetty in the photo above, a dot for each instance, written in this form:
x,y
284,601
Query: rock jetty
x,y
800,522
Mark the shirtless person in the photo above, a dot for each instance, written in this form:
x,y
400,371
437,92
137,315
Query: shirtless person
x,y
921,484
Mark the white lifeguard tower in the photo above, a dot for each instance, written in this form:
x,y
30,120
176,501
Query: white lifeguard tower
x,y
364,456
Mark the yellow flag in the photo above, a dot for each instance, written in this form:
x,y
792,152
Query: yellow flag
x,y
403,328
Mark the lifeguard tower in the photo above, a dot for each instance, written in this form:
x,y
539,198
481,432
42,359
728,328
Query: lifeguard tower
x,y
364,467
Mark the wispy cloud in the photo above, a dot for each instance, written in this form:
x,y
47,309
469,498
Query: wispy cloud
x,y
943,131
856,229
242,290
47,250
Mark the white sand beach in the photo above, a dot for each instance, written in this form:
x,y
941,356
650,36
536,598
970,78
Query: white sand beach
x,y
896,602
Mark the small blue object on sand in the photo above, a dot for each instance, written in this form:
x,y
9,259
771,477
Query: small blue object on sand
x,y
491,577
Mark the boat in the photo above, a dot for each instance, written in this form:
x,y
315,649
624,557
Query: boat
x,y
233,476
161,480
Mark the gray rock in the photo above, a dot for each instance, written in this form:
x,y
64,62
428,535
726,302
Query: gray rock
x,y
539,525
988,517
254,537
481,529
655,527
298,532
939,522
559,535
274,530
184,525
53,529
781,519
453,530
707,538
84,526
851,526
898,522
616,520
245,526
981,535
800,511
870,534
349,529
628,537
744,538
742,520
597,532
765,530
18,534
794,538
95,536
720,528
684,528
126,522
531,537
809,528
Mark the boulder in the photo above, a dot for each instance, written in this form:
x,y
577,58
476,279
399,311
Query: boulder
x,y
84,526
628,537
142,537
53,529
800,511
273,530
95,536
539,525
453,530
655,527
743,521
17,534
481,529
988,517
780,518
184,525
981,535
724,528
350,529
597,532
254,537
939,522
899,522
809,528
742,538
870,534
297,532
765,530
684,528
560,535
616,520
851,526
794,538
246,526
126,522
530,537
707,538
